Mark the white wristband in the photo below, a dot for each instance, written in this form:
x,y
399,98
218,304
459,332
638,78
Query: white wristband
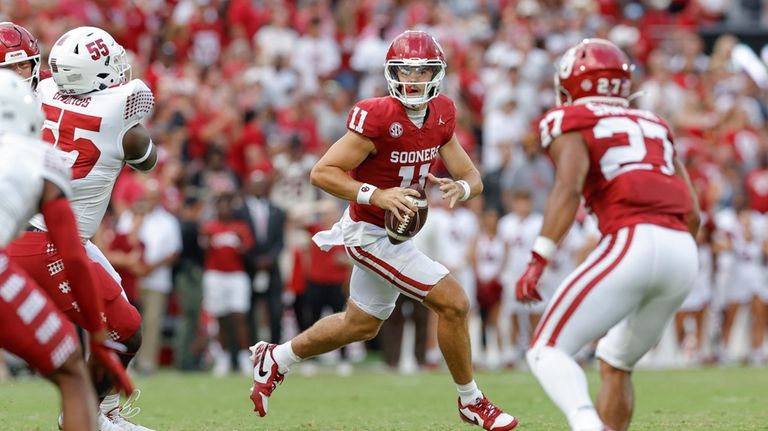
x,y
467,190
544,247
365,193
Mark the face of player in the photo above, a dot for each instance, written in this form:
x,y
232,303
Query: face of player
x,y
422,74
23,68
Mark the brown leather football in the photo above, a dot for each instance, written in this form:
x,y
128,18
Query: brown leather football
x,y
398,231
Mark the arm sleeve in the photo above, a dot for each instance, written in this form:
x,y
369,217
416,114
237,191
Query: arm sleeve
x,y
62,230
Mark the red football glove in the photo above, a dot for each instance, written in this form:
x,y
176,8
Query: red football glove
x,y
526,291
103,350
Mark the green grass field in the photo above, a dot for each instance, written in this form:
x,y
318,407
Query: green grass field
x,y
708,399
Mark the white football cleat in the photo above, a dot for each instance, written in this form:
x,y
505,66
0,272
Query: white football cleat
x,y
102,422
106,425
486,415
119,415
266,376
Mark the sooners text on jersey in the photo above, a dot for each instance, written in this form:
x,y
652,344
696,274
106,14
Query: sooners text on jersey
x,y
89,129
631,178
404,152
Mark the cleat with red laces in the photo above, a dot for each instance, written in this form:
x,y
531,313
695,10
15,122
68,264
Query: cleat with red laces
x,y
486,415
266,376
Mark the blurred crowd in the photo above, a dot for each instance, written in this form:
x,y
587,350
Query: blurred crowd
x,y
249,93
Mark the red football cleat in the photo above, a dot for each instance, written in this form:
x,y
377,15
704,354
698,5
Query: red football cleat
x,y
486,415
266,376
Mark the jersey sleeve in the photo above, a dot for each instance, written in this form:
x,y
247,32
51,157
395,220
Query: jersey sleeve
x,y
56,170
138,104
561,120
365,118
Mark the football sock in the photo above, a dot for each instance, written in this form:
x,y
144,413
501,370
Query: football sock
x,y
110,403
565,383
284,357
469,393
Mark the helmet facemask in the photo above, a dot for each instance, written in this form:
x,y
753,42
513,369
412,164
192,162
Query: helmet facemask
x,y
121,66
402,90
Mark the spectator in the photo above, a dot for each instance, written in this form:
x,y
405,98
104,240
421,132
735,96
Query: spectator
x,y
276,39
291,174
530,170
188,283
161,235
226,289
267,223
316,56
327,273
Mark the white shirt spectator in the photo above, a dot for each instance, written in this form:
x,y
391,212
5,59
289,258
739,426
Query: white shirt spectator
x,y
274,41
160,233
501,127
315,57
368,57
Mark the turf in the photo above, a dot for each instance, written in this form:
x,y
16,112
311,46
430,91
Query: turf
x,y
707,399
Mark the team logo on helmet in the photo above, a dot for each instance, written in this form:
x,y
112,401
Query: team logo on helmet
x,y
395,130
566,63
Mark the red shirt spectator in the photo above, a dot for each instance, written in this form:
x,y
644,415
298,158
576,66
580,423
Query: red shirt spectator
x,y
326,267
756,185
227,243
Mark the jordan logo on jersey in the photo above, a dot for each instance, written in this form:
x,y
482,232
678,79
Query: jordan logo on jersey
x,y
440,121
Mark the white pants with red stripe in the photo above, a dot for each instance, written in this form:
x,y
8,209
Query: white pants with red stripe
x,y
383,271
629,287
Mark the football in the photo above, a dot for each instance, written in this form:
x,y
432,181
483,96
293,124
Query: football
x,y
398,231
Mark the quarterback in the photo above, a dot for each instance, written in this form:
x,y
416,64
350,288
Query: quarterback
x,y
391,143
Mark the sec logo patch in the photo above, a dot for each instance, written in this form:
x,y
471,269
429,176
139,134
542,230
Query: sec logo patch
x,y
395,130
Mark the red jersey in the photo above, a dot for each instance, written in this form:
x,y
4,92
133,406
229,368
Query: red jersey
x,y
631,178
227,242
756,183
404,153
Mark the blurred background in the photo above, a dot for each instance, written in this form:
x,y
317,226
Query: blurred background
x,y
249,93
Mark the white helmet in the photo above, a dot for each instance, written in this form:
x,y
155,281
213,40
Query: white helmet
x,y
19,109
88,59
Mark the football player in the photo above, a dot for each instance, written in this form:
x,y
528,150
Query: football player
x,y
92,113
623,162
34,177
391,143
20,52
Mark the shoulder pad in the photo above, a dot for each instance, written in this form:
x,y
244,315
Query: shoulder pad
x,y
138,103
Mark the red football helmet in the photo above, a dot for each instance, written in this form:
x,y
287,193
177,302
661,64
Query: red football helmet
x,y
16,45
596,70
410,53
